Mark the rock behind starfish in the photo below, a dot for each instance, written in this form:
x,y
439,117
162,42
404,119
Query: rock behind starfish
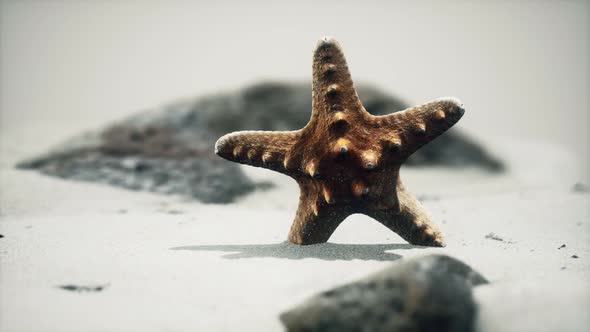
x,y
168,149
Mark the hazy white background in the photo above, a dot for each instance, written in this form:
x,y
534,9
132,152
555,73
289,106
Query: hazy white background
x,y
521,68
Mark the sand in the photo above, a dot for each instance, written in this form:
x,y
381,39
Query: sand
x,y
172,265
168,264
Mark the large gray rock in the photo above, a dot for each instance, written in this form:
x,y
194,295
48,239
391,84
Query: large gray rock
x,y
170,149
430,293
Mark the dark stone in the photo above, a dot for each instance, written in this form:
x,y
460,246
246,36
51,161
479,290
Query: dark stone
x,y
79,288
170,149
208,180
494,236
580,187
430,293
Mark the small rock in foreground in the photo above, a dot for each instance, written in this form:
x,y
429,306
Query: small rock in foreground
x,y
430,293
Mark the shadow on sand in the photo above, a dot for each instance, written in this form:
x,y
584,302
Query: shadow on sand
x,y
325,251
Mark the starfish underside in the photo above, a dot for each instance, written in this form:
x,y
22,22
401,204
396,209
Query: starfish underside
x,y
346,160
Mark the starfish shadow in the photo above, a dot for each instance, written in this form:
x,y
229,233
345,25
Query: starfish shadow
x,y
325,251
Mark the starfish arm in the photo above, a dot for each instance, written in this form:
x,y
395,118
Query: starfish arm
x,y
409,220
332,86
315,220
406,131
346,160
265,149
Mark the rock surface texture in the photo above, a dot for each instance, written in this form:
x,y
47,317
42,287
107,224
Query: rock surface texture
x,y
429,293
346,160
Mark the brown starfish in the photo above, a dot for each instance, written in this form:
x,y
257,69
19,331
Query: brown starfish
x,y
346,160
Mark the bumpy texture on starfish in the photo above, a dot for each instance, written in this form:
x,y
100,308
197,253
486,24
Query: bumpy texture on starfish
x,y
346,160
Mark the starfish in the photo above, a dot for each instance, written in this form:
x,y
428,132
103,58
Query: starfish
x,y
346,160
